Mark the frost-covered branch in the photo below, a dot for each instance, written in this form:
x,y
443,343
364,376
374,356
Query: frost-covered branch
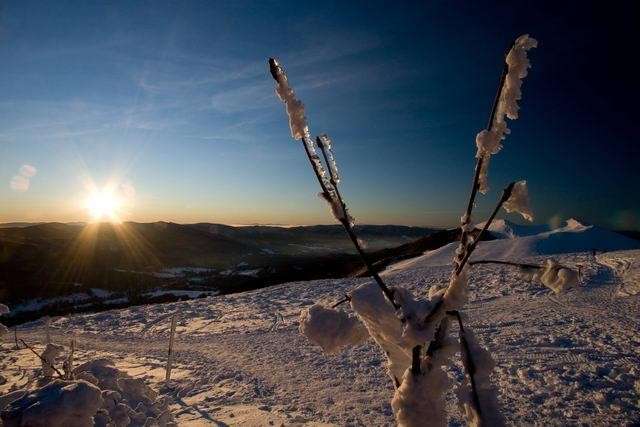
x,y
414,332
328,182
506,194
514,69
482,407
489,141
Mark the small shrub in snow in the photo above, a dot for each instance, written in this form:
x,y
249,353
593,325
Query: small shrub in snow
x,y
414,332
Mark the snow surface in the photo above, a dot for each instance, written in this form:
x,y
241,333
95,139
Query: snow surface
x,y
563,359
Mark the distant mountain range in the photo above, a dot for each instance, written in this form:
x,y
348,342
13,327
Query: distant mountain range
x,y
54,268
50,259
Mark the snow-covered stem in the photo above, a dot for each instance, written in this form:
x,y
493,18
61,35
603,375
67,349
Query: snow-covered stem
x,y
475,186
416,360
469,250
333,177
41,358
470,365
506,193
347,227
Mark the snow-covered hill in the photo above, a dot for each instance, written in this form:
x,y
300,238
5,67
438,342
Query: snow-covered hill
x,y
240,360
518,242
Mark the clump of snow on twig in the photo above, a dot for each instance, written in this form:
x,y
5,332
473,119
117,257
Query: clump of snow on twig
x,y
419,400
295,107
49,355
397,333
300,130
384,327
413,313
556,277
56,404
483,364
519,201
331,329
489,142
339,212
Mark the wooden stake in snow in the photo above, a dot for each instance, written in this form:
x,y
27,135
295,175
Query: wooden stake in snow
x,y
46,330
170,355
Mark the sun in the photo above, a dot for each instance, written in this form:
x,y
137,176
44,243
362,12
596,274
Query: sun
x,y
103,205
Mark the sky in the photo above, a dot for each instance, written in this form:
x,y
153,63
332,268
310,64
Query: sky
x,y
170,106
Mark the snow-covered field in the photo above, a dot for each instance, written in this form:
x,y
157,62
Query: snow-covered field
x,y
562,359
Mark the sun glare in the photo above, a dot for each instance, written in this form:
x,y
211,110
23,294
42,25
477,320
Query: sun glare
x,y
103,206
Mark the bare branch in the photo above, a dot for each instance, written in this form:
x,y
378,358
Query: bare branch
x,y
41,358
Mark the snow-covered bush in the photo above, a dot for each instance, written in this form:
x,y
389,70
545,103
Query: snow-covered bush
x,y
101,395
414,332
56,404
126,400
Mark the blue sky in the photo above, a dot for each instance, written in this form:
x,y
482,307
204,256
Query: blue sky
x,y
173,102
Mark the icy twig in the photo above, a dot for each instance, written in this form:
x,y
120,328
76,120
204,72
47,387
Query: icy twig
x,y
346,298
475,186
515,264
470,366
300,130
436,312
506,193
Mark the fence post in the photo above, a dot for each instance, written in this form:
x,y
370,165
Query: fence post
x,y
73,349
170,355
47,332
